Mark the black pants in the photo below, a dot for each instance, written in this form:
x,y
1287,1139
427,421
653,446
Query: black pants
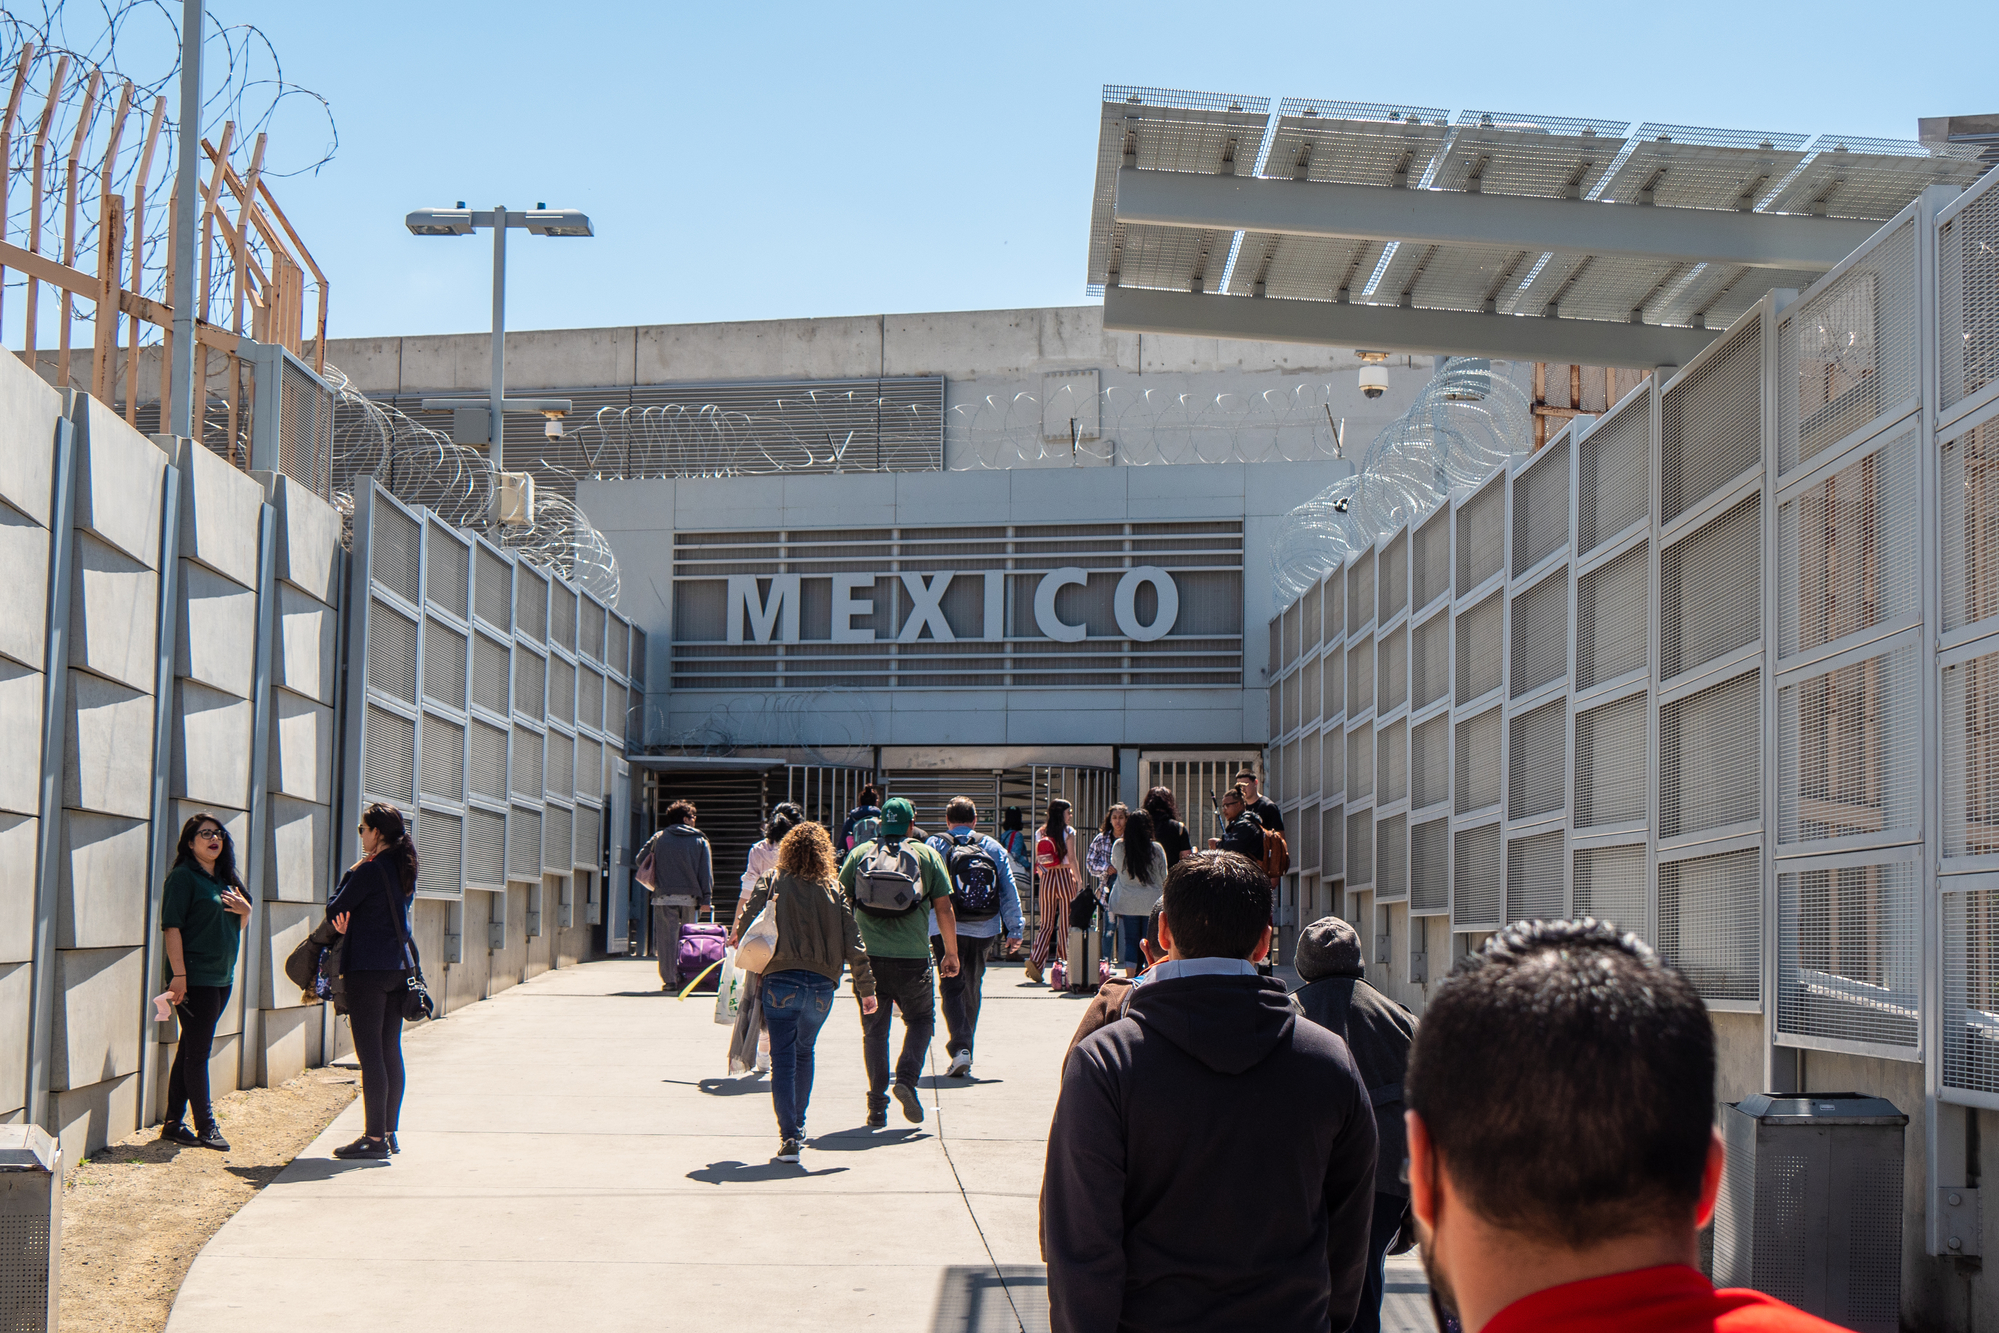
x,y
959,996
187,1085
375,1010
1387,1221
900,983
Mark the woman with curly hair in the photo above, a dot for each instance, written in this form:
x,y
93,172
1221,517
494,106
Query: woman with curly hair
x,y
817,937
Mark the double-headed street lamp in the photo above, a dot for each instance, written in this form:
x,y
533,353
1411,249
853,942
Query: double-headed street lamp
x,y
461,221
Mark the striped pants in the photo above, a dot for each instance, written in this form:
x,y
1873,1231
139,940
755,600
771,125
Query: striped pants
x,y
1058,890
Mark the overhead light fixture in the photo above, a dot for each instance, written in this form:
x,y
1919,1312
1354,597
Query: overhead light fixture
x,y
1374,373
440,222
559,222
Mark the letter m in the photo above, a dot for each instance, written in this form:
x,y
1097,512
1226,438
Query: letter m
x,y
778,611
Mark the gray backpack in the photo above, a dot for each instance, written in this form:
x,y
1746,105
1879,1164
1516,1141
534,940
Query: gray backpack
x,y
889,881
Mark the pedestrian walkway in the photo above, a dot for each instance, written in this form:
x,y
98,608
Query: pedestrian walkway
x,y
574,1159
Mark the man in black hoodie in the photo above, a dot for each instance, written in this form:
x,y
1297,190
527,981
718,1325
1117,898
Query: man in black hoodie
x,y
1211,1163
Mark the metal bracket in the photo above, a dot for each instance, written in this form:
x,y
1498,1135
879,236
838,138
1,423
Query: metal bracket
x,y
1381,947
1419,968
1960,1225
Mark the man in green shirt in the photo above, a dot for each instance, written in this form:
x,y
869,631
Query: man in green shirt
x,y
899,952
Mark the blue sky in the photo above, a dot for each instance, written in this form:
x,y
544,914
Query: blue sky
x,y
778,160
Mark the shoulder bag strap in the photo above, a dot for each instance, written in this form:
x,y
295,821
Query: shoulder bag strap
x,y
396,919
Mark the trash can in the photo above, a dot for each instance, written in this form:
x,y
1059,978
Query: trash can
x,y
30,1227
1811,1206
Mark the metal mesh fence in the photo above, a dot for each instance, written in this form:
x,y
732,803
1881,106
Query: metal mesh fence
x,y
1710,757
1711,590
1711,922
1848,745
1968,308
1847,353
1609,884
1971,525
1849,953
1848,549
1534,888
1613,621
1539,627
1537,762
1611,771
1711,429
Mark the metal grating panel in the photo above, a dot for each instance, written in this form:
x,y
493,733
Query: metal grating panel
x,y
1336,602
1392,763
524,844
530,684
1848,746
1481,536
1332,842
530,604
1850,176
1481,664
443,663
527,763
1537,760
1430,560
1308,752
1292,620
561,689
1360,678
1710,423
1540,629
1334,684
1430,762
1309,707
486,848
589,835
1611,771
1711,590
445,575
1710,758
1430,661
1613,629
1274,698
1541,508
1971,526
1277,662
1360,763
1971,990
562,615
391,651
1360,593
1394,577
1360,849
618,655
1290,690
1711,922
494,591
1849,953
559,771
1850,350
440,849
590,781
1391,859
486,773
1392,680
388,756
1534,888
616,701
1333,776
1311,605
1968,312
443,759
1478,879
1681,166
558,824
1510,152
1971,757
491,668
1610,886
590,629
395,560
1613,475
1477,762
1429,871
590,699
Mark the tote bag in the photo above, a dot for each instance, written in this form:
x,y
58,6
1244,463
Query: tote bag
x,y
759,943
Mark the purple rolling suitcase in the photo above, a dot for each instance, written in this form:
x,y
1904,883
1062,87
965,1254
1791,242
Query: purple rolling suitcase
x,y
701,944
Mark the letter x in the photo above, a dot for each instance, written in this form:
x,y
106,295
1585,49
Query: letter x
x,y
924,609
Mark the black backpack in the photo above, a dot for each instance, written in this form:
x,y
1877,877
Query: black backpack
x,y
975,880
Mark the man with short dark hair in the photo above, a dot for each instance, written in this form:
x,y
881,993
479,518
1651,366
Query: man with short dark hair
x,y
1211,1161
1562,1150
683,884
1261,806
969,854
1242,831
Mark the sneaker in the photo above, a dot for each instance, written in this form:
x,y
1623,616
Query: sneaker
x,y
212,1138
175,1131
878,1117
787,1151
390,1139
365,1149
961,1065
912,1105
1033,971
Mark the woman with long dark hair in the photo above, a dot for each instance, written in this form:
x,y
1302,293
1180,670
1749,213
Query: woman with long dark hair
x,y
1166,826
1058,869
784,817
202,908
1140,862
371,908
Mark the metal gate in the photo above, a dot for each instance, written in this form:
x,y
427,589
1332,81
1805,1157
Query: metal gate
x,y
1197,780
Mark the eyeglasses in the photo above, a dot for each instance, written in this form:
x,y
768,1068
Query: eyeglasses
x,y
360,828
212,834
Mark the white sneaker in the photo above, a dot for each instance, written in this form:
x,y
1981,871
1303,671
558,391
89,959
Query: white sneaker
x,y
961,1065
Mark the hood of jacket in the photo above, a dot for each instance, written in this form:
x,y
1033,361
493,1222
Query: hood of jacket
x,y
685,831
1229,1024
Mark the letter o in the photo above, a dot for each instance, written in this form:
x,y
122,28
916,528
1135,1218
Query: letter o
x,y
1125,603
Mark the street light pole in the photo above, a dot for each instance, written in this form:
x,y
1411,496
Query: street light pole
x,y
186,173
495,427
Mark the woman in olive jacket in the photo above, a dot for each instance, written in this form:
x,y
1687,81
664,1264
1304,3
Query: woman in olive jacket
x,y
371,908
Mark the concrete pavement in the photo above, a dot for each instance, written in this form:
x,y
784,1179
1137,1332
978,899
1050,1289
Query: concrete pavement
x,y
573,1157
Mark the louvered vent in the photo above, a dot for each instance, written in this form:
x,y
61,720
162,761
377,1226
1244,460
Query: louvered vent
x,y
443,663
485,848
495,591
530,604
1360,764
1541,508
1848,746
562,616
1610,763
1610,886
1308,764
1360,594
1968,314
1430,661
1848,548
1391,859
1336,602
1710,423
1430,762
1308,709
1478,879
1611,618
1481,535
589,835
1481,668
530,685
1971,526
590,630
1710,758
1312,604
561,690
1537,760
1613,467
1392,763
1970,758
1277,662
1711,925
388,756
561,765
618,656
1477,762
1849,954
524,844
557,831
394,559
443,759
1292,647
445,577
1848,352
440,849
1429,871
486,775
1360,849
391,651
1360,679
1430,560
1392,685
490,670
1332,842
527,763
1534,890
1334,686
1333,780
1394,578
1540,628
1710,590
1971,990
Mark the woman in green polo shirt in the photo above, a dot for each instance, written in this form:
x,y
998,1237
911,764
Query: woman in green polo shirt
x,y
201,913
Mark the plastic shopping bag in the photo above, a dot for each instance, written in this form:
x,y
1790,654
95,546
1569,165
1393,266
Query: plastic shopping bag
x,y
729,994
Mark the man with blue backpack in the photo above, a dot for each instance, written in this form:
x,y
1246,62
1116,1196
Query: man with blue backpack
x,y
984,899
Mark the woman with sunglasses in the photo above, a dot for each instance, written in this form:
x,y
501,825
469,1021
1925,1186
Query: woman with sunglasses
x,y
202,908
371,908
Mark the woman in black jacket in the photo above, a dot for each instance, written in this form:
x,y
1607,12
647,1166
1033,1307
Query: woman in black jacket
x,y
371,908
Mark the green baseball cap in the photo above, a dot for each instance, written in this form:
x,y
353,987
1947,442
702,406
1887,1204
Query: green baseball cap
x,y
897,816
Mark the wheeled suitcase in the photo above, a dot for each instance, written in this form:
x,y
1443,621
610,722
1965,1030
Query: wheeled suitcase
x,y
1086,953
701,944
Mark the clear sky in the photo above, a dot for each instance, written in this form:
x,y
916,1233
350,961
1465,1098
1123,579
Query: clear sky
x,y
775,160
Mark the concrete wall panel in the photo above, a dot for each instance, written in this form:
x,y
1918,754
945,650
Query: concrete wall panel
x,y
114,610
298,848
219,514
212,750
306,639
291,1042
20,738
301,761
837,348
24,593
285,927
18,873
27,458
308,554
109,747
450,361
371,365
89,1118
96,1015
118,475
565,356
17,982
102,902
218,630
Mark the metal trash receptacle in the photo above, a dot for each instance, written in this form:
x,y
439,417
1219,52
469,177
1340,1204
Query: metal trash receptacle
x,y
30,1227
1811,1207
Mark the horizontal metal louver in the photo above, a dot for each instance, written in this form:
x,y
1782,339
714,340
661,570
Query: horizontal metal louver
x,y
486,772
1847,353
560,767
1391,746
1476,761
1611,770
1430,762
443,663
491,670
1360,679
1970,759
388,756
442,759
485,848
530,683
1711,422
1360,849
1609,885
1429,869
590,629
1612,626
1710,758
1848,746
589,767
395,559
1971,526
1478,879
1481,536
1430,661
391,651
1334,685
561,615
561,689
1537,763
1336,604
440,849
1711,590
618,655
1541,508
1360,593
1430,560
1391,859
1711,922
1613,475
1360,764
1480,656
558,855
1540,629
1971,990
494,596
1848,549
1332,841
444,579
589,835
524,844
1391,689
530,604
1310,606
1968,283
527,763
1333,777
1849,954
1394,578
1309,707
1534,890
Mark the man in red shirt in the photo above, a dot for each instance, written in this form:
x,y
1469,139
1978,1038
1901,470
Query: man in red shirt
x,y
1562,1150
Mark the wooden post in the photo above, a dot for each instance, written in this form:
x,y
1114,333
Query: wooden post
x,y
7,146
242,238
319,278
1540,400
36,193
139,182
110,258
83,116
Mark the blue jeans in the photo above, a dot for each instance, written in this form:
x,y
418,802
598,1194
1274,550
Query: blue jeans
x,y
1130,930
795,1003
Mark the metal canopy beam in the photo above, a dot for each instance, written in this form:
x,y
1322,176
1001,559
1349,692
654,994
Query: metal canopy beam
x,y
1450,217
1402,329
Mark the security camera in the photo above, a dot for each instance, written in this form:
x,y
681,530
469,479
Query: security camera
x,y
1373,373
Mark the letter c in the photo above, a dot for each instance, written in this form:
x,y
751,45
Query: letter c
x,y
1044,604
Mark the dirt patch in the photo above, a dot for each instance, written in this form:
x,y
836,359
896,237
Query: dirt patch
x,y
136,1214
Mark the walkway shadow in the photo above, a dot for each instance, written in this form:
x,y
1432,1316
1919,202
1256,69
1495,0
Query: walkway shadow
x,y
738,1173
311,1168
725,1087
860,1140
984,1299
947,1082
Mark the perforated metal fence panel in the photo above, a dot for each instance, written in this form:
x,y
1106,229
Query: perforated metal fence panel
x,y
1534,880
1360,679
1710,758
1391,685
1332,841
1710,922
1609,884
1848,745
1391,859
1847,353
1971,525
1430,660
1430,560
1333,753
1392,762
1968,308
1394,598
1360,593
1611,770
1539,626
1478,879
1849,953
1429,867
1711,590
1360,849
1481,648
1541,508
1849,548
1613,475
1537,761
1711,424
1360,764
1481,520
1430,762
1971,989
1477,761
1613,618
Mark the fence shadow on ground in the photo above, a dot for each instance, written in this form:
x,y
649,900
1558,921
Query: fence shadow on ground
x,y
1012,1298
